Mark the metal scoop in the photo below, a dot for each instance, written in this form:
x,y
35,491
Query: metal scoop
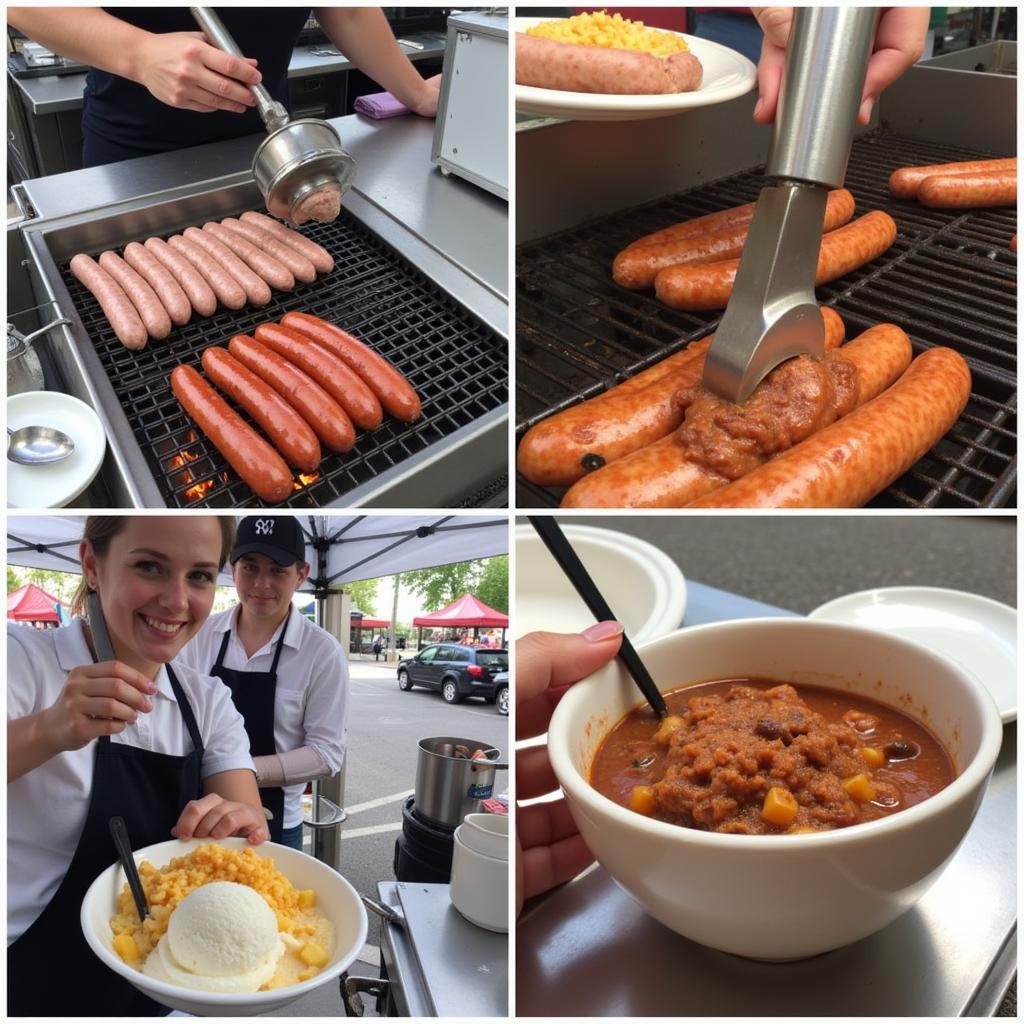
x,y
297,158
772,314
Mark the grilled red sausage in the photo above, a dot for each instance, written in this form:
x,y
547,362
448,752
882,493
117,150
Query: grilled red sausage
x,y
326,369
905,181
292,435
849,462
314,405
969,191
248,454
257,291
638,265
199,293
316,254
709,285
384,380
228,291
271,270
161,280
563,448
143,298
116,306
685,465
301,267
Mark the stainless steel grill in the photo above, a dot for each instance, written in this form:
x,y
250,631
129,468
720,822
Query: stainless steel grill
x,y
950,279
456,363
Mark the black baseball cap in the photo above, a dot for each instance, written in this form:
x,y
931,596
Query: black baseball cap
x,y
278,537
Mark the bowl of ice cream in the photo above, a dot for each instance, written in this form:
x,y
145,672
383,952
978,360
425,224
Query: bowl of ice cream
x,y
233,930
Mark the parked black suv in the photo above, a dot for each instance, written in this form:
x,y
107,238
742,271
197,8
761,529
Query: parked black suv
x,y
458,671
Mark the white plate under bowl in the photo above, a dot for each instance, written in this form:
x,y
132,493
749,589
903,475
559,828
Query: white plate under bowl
x,y
337,900
727,74
978,633
642,585
56,484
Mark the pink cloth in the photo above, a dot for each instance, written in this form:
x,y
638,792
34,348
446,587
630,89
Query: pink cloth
x,y
379,105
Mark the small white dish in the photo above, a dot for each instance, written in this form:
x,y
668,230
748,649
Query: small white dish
x,y
56,484
337,900
479,886
976,632
727,74
642,585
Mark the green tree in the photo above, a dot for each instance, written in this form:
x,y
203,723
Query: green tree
x,y
487,578
364,595
493,586
62,585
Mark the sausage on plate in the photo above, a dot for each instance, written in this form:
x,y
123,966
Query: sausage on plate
x,y
720,442
701,286
161,280
143,298
395,392
316,254
200,295
329,421
849,462
116,306
271,270
347,388
291,434
227,290
251,457
301,268
257,291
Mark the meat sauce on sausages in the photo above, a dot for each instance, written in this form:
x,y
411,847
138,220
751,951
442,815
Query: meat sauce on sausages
x,y
759,757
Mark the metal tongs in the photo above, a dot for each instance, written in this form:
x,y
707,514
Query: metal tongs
x,y
772,314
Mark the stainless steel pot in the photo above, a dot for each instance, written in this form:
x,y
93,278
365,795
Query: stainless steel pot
x,y
297,157
449,787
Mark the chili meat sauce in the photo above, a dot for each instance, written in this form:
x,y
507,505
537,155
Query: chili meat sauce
x,y
754,756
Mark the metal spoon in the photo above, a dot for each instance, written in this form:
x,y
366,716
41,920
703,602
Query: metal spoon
x,y
36,446
119,832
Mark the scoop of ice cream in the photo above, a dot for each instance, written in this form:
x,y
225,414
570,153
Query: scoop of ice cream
x,y
222,937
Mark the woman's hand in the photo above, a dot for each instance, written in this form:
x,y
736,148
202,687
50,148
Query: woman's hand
x,y
899,42
182,70
216,818
97,700
549,848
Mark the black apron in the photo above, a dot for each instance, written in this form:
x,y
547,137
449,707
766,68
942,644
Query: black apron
x,y
254,697
147,789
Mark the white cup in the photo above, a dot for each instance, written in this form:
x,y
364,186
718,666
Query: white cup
x,y
486,833
479,886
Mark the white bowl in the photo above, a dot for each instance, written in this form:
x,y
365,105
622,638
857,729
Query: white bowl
x,y
337,900
642,585
787,896
485,833
479,887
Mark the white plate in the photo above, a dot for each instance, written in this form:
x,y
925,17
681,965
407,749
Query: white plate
x,y
727,74
976,632
58,483
642,585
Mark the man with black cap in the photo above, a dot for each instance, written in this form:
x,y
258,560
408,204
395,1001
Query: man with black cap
x,y
287,676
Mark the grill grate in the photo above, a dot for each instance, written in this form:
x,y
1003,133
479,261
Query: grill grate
x,y
457,365
950,279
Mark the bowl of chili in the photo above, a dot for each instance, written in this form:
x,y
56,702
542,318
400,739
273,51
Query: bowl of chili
x,y
812,781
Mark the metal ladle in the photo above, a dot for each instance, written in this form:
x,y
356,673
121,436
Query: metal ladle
x,y
37,446
298,157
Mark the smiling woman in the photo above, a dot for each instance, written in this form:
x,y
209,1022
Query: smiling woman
x,y
103,720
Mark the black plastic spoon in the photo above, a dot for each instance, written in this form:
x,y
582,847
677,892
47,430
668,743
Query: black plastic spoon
x,y
119,832
562,551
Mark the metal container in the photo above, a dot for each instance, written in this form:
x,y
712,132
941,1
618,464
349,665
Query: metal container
x,y
448,787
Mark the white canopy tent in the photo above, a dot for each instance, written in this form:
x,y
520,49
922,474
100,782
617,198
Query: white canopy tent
x,y
340,549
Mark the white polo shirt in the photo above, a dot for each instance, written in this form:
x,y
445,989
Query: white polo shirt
x,y
46,808
311,699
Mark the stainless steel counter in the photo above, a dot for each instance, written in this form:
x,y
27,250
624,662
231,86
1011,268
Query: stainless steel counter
x,y
455,220
50,94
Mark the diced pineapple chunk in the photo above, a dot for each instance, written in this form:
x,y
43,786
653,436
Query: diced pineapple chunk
x,y
779,807
307,898
641,799
669,724
860,788
314,954
125,948
308,973
873,756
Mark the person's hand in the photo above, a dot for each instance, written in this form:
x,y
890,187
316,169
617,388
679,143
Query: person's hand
x,y
426,103
97,700
899,42
214,817
549,849
182,70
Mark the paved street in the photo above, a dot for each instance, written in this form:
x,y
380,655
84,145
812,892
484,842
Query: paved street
x,y
385,726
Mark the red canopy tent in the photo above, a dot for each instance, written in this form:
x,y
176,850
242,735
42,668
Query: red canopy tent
x,y
358,622
467,612
32,604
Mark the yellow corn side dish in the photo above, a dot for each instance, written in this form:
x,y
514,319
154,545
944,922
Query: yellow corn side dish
x,y
611,31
